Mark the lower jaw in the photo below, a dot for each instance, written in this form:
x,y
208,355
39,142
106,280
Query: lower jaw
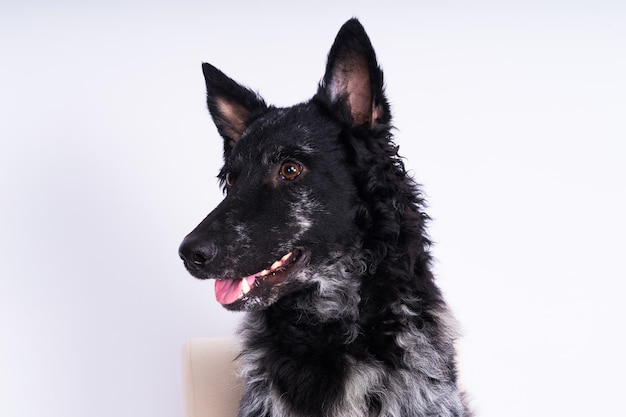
x,y
235,293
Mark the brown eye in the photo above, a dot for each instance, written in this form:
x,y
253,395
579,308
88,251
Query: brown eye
x,y
229,180
290,170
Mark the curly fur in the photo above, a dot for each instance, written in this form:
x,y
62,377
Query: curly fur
x,y
361,329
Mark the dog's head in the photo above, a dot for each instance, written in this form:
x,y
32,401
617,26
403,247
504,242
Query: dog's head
x,y
289,174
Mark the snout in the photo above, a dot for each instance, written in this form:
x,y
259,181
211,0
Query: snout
x,y
197,255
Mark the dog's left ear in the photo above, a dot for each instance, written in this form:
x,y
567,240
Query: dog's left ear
x,y
353,82
231,105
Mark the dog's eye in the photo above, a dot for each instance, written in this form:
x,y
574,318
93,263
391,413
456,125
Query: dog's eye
x,y
290,170
229,179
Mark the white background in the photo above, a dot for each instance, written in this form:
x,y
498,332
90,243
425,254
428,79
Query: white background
x,y
511,114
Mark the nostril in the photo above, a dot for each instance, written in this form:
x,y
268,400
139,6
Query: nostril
x,y
196,255
198,259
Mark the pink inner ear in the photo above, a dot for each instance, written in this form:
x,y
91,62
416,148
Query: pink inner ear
x,y
352,79
360,98
235,117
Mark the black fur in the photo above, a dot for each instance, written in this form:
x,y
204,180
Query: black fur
x,y
351,323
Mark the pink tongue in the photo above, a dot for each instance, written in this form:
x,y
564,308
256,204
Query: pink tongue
x,y
228,291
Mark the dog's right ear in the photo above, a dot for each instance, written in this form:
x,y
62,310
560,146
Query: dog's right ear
x,y
231,105
353,83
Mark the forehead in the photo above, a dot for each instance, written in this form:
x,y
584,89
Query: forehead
x,y
298,131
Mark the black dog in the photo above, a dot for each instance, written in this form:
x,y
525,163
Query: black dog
x,y
321,239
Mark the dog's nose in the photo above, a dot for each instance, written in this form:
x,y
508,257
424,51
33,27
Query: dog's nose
x,y
196,255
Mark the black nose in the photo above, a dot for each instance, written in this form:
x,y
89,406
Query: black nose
x,y
196,255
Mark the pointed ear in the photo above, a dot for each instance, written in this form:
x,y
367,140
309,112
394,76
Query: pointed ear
x,y
353,83
231,105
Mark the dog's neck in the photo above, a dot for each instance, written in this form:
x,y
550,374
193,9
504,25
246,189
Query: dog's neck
x,y
347,303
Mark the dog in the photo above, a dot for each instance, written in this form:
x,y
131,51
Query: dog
x,y
321,239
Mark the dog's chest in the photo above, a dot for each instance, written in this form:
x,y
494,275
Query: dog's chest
x,y
354,393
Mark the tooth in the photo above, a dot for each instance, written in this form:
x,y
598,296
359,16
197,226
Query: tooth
x,y
276,265
284,258
245,287
264,272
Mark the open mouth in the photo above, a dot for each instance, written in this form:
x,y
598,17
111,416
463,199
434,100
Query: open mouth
x,y
230,292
